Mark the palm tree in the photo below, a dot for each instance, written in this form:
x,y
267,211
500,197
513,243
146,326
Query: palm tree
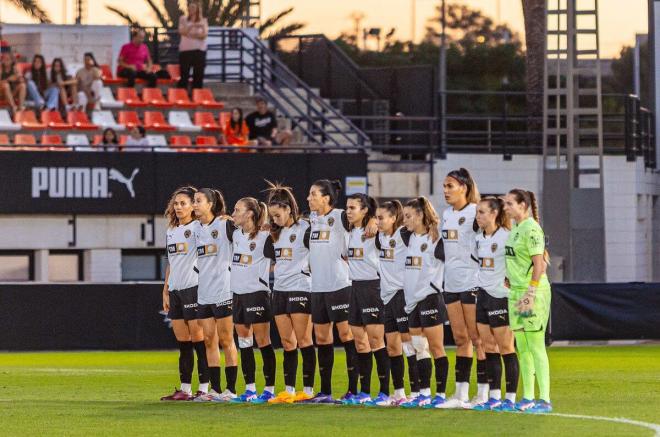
x,y
226,13
32,8
534,16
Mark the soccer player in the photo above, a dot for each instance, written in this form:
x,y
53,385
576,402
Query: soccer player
x,y
214,304
291,292
392,241
366,308
422,286
250,268
180,292
492,304
459,229
529,299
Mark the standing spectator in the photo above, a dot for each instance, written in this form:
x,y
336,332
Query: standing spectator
x,y
137,141
236,131
135,61
67,85
263,126
12,83
193,29
110,140
39,90
89,82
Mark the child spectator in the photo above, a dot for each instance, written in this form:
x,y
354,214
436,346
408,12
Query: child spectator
x,y
110,140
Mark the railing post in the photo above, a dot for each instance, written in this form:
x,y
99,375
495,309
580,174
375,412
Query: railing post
x,y
628,141
638,127
505,139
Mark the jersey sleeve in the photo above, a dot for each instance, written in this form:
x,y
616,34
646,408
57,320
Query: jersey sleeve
x,y
405,235
535,241
269,248
439,251
308,231
344,221
377,241
230,230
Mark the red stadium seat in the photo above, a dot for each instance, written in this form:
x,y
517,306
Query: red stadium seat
x,y
108,78
54,143
24,141
179,98
80,121
5,144
97,140
123,139
207,140
28,120
182,143
130,97
204,97
53,120
206,121
175,71
154,120
129,119
154,97
23,67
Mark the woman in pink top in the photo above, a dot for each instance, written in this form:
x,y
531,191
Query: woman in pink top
x,y
193,29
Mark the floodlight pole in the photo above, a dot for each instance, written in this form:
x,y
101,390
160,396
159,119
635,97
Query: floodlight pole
x,y
442,83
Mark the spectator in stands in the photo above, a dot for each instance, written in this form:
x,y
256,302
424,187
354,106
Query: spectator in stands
x,y
13,84
136,139
236,131
39,88
135,61
68,86
193,29
110,140
263,126
89,82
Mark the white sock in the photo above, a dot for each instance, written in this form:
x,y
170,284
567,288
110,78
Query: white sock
x,y
204,388
425,391
511,397
251,387
414,394
290,390
308,391
482,391
270,389
186,388
399,393
496,394
462,391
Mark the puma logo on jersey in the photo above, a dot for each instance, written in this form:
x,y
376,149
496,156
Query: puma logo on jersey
x,y
413,262
284,253
450,235
387,254
320,236
177,248
487,263
356,253
207,250
241,259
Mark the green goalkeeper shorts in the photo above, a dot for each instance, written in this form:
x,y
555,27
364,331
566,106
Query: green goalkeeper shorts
x,y
540,313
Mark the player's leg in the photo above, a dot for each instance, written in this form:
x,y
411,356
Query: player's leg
x,y
248,364
376,334
212,357
536,342
290,363
302,327
186,360
365,364
493,368
225,329
504,338
397,365
468,304
463,366
262,337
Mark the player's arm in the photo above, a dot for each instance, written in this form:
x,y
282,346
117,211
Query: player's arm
x,y
166,291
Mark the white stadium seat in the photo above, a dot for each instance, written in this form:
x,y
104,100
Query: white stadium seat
x,y
105,119
157,140
80,142
108,99
181,120
6,123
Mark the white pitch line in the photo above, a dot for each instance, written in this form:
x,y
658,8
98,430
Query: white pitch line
x,y
652,426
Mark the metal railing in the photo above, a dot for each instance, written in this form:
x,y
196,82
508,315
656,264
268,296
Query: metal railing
x,y
639,132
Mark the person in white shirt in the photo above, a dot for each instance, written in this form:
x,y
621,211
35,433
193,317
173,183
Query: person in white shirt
x,y
137,140
194,29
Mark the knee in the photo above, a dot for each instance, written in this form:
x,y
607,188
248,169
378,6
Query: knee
x,y
209,342
394,349
437,350
227,342
376,342
461,338
289,344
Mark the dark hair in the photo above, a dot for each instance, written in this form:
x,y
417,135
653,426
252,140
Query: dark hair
x,y
259,213
170,215
91,55
142,130
53,74
368,203
529,199
282,196
497,204
395,209
429,216
239,123
464,177
329,188
258,99
215,197
135,31
39,76
115,139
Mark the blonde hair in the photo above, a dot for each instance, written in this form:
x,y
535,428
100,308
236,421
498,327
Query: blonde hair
x,y
430,217
259,213
170,215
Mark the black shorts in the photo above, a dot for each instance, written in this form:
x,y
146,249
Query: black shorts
x,y
366,305
465,297
292,302
394,314
429,312
331,306
183,304
252,308
493,311
215,310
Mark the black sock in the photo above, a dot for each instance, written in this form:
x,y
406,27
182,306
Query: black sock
x,y
352,366
396,367
441,372
270,366
482,372
326,361
512,371
424,367
202,364
248,366
413,373
186,361
290,367
383,370
463,369
366,366
308,365
231,374
494,369
214,376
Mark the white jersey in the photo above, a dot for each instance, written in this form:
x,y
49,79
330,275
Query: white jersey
x,y
214,253
250,265
292,259
328,244
424,269
362,256
461,264
392,261
492,266
182,256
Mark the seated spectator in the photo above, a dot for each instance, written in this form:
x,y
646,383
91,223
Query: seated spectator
x,y
137,140
67,85
12,83
110,140
193,29
39,89
263,126
135,62
89,82
236,131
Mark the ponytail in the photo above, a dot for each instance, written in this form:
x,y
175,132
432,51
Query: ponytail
x,y
368,203
529,199
282,196
395,209
497,204
259,213
463,176
429,216
533,204
219,207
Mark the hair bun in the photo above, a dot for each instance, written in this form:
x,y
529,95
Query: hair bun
x,y
336,184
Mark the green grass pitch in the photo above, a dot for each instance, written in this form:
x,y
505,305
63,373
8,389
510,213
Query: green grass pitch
x,y
116,393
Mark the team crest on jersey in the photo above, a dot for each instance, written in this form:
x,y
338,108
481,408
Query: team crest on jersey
x,y
187,233
461,221
392,243
493,247
331,221
363,238
292,238
424,247
253,246
214,233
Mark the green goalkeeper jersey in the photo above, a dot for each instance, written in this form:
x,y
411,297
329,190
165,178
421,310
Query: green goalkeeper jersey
x,y
525,241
